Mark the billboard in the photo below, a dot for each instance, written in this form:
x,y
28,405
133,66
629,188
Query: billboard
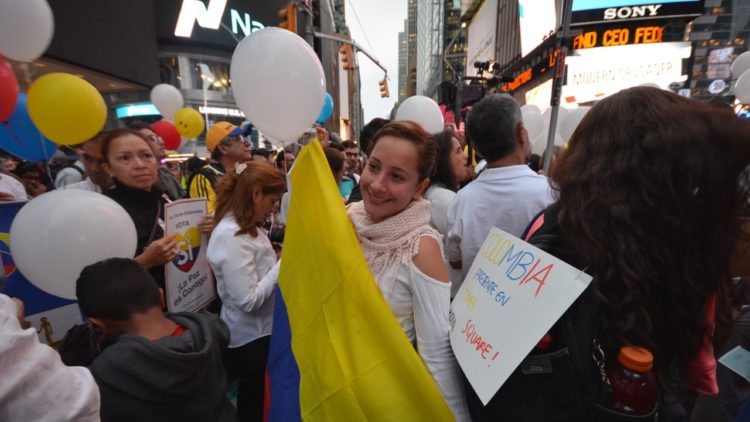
x,y
482,30
595,73
537,20
606,11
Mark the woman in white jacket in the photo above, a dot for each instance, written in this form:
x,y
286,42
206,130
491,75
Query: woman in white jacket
x,y
246,271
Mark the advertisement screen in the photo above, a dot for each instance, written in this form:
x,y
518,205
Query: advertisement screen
x,y
605,4
482,30
606,11
537,20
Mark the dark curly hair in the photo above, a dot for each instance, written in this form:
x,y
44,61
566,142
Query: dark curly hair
x,y
444,174
650,201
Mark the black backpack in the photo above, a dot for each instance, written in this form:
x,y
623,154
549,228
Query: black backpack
x,y
565,381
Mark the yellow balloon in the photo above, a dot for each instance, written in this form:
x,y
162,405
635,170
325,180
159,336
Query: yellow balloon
x,y
189,123
65,108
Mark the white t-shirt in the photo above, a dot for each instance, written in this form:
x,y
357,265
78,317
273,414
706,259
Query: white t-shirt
x,y
246,273
70,175
11,185
505,197
85,184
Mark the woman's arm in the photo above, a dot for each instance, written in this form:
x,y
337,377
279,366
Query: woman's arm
x,y
431,305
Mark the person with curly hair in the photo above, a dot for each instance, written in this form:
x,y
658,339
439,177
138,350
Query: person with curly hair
x,y
650,205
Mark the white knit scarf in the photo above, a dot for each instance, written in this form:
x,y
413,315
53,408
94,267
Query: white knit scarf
x,y
392,242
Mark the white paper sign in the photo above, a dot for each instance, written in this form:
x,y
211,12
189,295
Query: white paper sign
x,y
738,360
511,297
189,281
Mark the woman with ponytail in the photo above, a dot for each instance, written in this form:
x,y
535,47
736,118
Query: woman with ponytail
x,y
244,264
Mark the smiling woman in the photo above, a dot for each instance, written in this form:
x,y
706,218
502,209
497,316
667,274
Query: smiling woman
x,y
403,250
130,161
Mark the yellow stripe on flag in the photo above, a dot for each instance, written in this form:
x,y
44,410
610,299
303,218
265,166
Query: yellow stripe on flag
x,y
355,361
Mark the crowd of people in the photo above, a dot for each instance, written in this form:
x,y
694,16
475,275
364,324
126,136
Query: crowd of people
x,y
650,198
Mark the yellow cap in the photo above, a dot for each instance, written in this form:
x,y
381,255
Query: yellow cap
x,y
221,130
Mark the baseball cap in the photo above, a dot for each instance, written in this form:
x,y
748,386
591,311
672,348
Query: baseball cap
x,y
221,130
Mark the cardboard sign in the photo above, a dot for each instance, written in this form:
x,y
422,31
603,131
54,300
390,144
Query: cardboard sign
x,y
511,297
189,281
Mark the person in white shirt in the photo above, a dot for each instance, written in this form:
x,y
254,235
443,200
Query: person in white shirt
x,y
11,189
507,194
404,252
450,169
244,264
36,385
69,174
98,179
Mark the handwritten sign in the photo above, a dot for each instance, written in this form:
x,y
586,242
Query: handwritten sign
x,y
511,297
189,282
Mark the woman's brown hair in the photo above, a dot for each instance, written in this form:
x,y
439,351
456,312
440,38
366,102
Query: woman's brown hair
x,y
106,138
651,202
234,192
412,132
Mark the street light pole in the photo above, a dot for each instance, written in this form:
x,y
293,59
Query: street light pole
x,y
561,46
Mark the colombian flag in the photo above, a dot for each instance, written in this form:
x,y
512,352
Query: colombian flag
x,y
349,359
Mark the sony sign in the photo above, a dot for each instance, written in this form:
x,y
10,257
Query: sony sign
x,y
209,17
630,12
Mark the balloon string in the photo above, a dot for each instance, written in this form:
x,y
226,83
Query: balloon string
x,y
14,135
27,77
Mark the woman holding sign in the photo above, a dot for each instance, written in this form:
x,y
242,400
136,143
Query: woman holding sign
x,y
246,270
650,202
403,251
133,166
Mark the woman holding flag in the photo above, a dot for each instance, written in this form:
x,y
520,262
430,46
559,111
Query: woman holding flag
x,y
403,251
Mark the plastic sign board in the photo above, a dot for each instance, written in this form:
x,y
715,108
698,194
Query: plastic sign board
x,y
210,17
189,281
593,11
513,294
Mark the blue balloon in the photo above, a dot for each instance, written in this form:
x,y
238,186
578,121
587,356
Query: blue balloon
x,y
19,136
327,110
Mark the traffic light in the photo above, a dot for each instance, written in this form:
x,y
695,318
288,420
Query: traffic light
x,y
346,56
288,16
384,88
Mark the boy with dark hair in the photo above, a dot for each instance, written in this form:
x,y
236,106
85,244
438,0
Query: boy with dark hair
x,y
161,367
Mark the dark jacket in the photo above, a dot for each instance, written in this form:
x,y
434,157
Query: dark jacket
x,y
145,209
178,378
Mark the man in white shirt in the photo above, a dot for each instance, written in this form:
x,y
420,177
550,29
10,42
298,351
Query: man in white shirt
x,y
68,174
98,179
507,194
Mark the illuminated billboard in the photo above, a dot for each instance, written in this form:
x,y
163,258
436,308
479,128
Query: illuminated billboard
x,y
537,20
607,11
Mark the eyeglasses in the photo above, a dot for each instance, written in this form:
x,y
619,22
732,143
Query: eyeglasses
x,y
156,139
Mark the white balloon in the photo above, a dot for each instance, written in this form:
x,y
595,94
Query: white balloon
x,y
26,28
278,81
422,110
167,99
540,143
561,113
531,108
571,121
533,122
57,234
742,88
740,64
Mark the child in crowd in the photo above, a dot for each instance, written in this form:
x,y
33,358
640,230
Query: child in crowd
x,y
161,367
